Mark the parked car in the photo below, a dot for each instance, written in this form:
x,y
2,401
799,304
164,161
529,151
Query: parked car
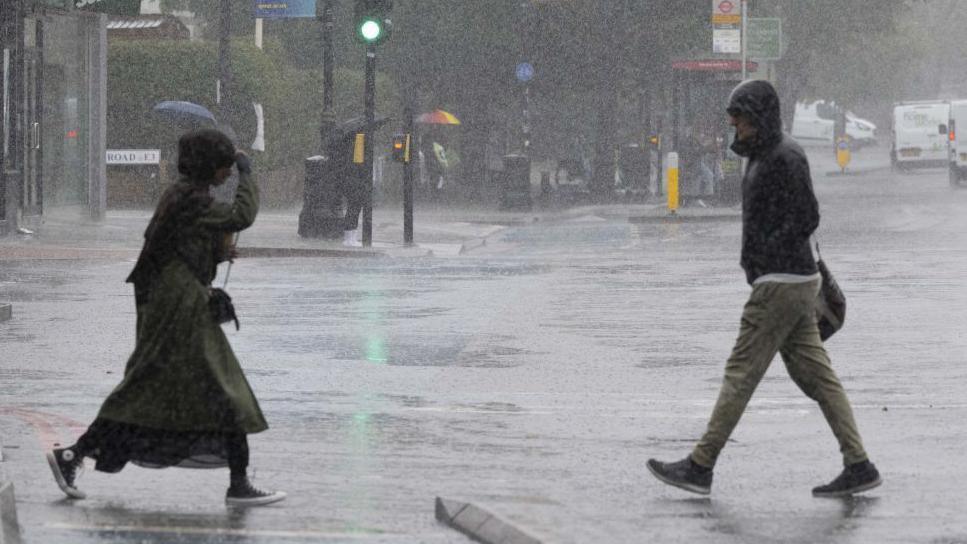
x,y
920,136
814,123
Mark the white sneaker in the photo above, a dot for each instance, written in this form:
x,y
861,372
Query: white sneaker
x,y
247,495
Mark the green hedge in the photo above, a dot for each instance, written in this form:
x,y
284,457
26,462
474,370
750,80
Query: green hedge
x,y
143,73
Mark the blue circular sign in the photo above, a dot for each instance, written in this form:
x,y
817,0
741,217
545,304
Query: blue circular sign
x,y
525,72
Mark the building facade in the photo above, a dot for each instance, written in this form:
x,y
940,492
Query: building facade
x,y
53,57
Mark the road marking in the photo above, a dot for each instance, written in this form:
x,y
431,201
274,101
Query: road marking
x,y
42,423
222,531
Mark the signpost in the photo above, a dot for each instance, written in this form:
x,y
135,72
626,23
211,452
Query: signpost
x,y
726,26
765,38
525,72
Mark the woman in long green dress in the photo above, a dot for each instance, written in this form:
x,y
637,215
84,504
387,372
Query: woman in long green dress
x,y
184,400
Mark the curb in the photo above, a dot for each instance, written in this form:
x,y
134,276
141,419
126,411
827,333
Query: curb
x,y
9,527
6,312
479,524
860,172
286,252
675,218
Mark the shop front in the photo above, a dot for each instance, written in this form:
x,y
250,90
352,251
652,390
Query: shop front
x,y
53,100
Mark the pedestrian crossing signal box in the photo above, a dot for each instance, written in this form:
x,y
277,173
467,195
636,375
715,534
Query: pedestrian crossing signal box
x,y
401,148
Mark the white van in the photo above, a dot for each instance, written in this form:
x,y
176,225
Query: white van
x,y
810,128
920,134
958,143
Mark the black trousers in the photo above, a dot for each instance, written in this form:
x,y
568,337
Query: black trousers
x,y
113,444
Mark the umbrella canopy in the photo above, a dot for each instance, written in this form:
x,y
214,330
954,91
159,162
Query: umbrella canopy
x,y
353,126
437,117
184,112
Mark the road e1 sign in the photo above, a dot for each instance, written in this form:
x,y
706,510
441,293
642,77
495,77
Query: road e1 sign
x,y
133,156
765,38
284,9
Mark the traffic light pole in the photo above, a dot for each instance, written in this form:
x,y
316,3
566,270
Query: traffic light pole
x,y
408,177
328,120
370,113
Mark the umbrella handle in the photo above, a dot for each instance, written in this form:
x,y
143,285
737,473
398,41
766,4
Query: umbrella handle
x,y
228,272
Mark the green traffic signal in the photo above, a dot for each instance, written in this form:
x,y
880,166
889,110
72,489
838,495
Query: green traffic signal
x,y
370,30
372,21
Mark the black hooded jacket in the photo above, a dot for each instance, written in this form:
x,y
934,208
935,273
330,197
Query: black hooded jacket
x,y
779,209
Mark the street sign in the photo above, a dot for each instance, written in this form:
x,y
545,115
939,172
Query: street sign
x,y
765,38
133,156
525,72
726,26
284,9
727,40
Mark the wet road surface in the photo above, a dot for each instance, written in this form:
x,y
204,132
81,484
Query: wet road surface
x,y
534,375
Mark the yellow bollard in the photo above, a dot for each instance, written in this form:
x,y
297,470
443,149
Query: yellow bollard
x,y
843,153
359,149
672,182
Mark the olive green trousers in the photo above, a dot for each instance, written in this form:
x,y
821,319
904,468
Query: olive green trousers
x,y
780,318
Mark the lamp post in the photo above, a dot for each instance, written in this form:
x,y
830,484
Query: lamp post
x,y
328,121
223,87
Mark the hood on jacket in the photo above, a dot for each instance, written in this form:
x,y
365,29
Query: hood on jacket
x,y
758,100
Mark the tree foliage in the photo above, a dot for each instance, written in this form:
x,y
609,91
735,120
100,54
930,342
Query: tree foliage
x,y
602,64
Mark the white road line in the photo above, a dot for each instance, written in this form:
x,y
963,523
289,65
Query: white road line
x,y
222,531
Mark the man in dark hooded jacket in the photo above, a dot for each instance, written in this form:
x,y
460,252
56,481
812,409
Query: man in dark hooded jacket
x,y
779,215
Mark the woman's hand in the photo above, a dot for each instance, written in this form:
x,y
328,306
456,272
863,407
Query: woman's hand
x,y
243,162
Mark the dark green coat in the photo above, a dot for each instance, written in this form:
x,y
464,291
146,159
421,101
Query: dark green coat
x,y
183,375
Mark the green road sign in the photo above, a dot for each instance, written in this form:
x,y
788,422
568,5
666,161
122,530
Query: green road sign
x,y
765,38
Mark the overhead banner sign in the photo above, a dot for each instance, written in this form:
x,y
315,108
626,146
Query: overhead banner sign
x,y
284,9
726,26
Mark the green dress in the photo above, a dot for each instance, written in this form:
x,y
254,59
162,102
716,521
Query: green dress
x,y
183,390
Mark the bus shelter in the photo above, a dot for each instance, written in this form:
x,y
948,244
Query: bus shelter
x,y
700,130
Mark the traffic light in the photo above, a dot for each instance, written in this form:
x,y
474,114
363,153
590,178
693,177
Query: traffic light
x,y
372,22
401,148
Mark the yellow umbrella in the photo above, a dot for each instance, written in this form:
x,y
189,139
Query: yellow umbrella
x,y
437,117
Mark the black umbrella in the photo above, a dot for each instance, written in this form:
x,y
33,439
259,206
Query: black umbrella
x,y
185,113
354,125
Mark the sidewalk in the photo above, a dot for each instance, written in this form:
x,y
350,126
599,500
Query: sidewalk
x,y
68,234
822,160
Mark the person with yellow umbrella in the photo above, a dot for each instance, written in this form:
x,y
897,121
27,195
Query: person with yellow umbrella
x,y
435,157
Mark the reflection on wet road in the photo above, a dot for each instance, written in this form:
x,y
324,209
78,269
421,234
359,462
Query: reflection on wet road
x,y
534,375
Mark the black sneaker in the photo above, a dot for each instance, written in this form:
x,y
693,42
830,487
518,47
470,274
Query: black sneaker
x,y
684,474
65,465
247,495
855,478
